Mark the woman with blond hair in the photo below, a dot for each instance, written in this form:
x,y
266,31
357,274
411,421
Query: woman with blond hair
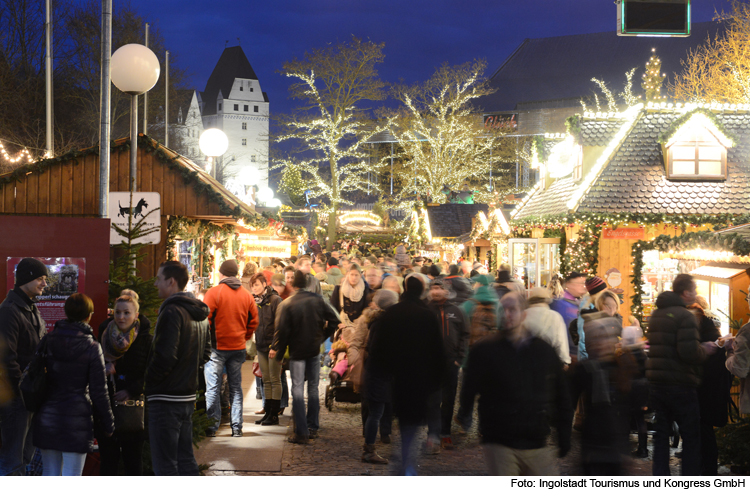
x,y
250,269
126,342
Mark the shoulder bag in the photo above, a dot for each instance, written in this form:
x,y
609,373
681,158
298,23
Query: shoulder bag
x,y
34,383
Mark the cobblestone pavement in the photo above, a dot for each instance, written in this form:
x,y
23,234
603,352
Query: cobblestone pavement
x,y
337,452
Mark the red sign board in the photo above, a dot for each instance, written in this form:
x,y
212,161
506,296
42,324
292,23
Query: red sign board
x,y
624,234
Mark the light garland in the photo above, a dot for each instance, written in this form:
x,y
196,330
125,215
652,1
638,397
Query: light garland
x,y
347,217
20,157
634,113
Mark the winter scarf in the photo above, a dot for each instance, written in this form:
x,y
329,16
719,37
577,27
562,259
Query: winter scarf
x,y
353,293
115,342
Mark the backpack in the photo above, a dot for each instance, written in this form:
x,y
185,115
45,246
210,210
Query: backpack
x,y
483,322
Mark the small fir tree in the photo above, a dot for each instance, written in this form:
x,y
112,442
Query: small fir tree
x,y
653,78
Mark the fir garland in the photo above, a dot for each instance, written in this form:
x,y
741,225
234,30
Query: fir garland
x,y
573,127
676,125
706,240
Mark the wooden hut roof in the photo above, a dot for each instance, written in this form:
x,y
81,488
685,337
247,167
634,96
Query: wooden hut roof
x,y
69,185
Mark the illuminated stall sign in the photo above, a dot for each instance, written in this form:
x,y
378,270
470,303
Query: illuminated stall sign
x,y
267,248
624,234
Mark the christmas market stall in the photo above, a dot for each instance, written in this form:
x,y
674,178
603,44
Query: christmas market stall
x,y
622,189
196,217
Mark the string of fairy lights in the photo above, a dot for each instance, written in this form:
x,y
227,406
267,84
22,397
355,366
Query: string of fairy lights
x,y
21,156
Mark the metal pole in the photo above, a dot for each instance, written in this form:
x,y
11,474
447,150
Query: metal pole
x,y
48,71
145,98
104,105
166,104
391,167
133,141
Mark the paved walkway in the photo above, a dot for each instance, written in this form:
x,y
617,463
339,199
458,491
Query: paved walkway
x,y
263,451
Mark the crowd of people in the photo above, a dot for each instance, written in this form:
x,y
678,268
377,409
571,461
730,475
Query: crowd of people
x,y
422,341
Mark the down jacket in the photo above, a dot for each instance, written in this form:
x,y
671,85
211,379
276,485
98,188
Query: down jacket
x,y
675,352
75,366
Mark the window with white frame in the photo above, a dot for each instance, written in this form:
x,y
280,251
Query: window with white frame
x,y
244,125
697,155
244,141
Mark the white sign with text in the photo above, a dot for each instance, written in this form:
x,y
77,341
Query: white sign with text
x,y
146,208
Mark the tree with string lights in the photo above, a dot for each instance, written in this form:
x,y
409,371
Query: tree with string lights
x,y
443,142
719,70
331,127
653,78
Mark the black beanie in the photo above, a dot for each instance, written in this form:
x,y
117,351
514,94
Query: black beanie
x,y
229,268
29,269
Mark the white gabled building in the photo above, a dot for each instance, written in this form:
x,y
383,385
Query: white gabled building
x,y
234,102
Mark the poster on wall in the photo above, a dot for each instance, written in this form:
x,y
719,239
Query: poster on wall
x,y
146,208
67,275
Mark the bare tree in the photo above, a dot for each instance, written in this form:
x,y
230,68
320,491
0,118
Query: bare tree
x,y
326,134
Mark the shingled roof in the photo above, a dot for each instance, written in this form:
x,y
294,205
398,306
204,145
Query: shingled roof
x,y
233,64
556,71
452,220
634,179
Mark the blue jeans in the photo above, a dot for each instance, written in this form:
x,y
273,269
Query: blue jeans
x,y
679,404
15,429
170,432
301,371
408,456
57,463
233,360
374,415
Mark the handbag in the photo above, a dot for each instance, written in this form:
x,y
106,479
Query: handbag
x,y
256,370
129,415
33,383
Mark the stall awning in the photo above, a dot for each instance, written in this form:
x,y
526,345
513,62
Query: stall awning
x,y
717,272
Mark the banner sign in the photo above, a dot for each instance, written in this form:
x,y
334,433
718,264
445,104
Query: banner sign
x,y
67,275
266,248
146,207
624,234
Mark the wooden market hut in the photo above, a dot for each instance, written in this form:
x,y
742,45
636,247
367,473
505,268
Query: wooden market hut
x,y
68,186
619,180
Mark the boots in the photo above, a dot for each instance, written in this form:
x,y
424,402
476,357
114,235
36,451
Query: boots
x,y
370,455
272,405
266,411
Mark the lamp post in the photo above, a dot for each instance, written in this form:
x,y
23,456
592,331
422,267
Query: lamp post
x,y
135,70
213,143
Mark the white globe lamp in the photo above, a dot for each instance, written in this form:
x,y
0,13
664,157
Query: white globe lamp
x,y
134,69
265,194
213,142
274,202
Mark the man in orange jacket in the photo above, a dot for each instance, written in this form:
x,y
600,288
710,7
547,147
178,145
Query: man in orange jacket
x,y
233,318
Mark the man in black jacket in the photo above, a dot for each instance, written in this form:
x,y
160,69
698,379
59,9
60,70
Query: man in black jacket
x,y
182,344
303,321
672,370
522,392
455,334
21,329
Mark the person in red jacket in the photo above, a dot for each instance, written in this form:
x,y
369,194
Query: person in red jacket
x,y
233,319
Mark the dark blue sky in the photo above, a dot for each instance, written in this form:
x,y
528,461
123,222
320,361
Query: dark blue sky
x,y
419,35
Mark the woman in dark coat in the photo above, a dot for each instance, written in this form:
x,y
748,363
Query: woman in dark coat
x,y
268,301
351,297
125,376
64,427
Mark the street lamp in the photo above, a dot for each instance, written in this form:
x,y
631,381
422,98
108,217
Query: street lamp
x,y
213,143
135,69
265,195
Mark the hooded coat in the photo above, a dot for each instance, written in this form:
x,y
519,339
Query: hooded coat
x,y
182,344
76,379
267,307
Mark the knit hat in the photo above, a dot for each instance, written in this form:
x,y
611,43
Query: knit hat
x,y
539,295
229,268
333,261
503,276
595,285
29,269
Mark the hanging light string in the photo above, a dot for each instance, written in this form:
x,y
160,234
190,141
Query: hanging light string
x,y
22,155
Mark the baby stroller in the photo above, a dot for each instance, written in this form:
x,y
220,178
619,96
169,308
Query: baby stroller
x,y
341,385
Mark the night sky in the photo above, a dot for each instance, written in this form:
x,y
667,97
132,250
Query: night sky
x,y
419,35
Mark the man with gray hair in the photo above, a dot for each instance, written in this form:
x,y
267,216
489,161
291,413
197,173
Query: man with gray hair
x,y
304,264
